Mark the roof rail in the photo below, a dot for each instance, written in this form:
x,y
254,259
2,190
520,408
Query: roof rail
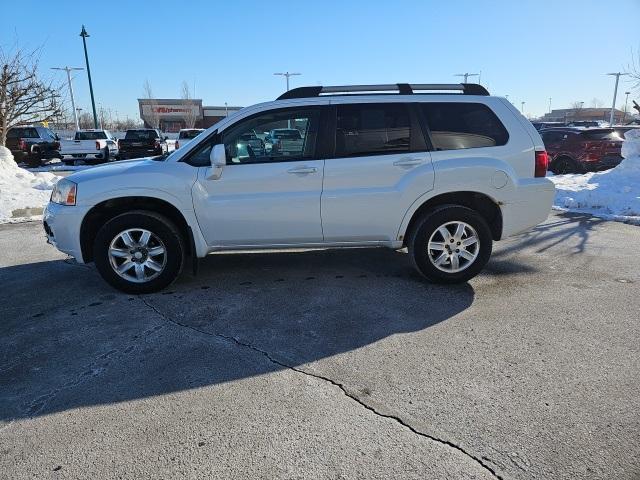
x,y
401,88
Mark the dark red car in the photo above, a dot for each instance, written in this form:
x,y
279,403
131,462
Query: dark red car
x,y
579,150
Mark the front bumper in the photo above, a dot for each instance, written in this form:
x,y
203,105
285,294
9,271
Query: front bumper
x,y
62,228
531,206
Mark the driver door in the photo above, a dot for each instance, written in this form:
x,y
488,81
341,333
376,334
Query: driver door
x,y
264,196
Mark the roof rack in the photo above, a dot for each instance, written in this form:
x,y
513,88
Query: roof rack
x,y
401,88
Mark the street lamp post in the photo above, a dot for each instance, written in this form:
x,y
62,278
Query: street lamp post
x,y
70,83
615,94
522,107
466,76
84,36
287,75
549,104
626,103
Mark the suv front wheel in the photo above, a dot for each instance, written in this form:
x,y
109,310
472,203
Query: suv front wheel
x,y
450,244
139,252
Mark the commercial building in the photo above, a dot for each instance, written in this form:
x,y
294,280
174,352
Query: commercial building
x,y
170,115
569,115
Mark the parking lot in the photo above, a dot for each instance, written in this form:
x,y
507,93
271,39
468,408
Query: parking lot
x,y
327,364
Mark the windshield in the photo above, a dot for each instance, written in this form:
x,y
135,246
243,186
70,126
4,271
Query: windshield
x,y
141,135
189,134
90,136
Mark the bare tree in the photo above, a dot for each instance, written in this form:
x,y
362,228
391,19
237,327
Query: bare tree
x,y
190,116
25,97
85,120
152,118
633,69
576,105
597,103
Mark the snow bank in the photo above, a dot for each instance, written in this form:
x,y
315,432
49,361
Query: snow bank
x,y
22,194
614,194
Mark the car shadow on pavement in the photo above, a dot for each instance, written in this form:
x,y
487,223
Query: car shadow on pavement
x,y
83,344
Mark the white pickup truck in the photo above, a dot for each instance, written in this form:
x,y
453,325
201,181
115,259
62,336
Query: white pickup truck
x,y
89,145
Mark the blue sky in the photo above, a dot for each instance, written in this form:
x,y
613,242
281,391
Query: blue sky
x,y
529,50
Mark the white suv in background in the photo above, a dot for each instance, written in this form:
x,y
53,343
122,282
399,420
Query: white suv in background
x,y
441,169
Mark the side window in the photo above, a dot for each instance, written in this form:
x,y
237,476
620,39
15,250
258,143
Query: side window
x,y
463,125
276,136
372,129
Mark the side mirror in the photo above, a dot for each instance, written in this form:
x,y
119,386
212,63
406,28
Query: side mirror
x,y
218,159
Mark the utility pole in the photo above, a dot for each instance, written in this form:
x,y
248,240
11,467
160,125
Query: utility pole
x,y
84,36
287,75
615,94
522,107
549,104
466,76
626,102
70,83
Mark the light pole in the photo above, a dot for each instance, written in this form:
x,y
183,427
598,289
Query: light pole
x,y
522,107
84,36
626,102
549,104
70,83
466,76
615,94
287,75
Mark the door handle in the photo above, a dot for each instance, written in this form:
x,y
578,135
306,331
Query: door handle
x,y
302,170
408,162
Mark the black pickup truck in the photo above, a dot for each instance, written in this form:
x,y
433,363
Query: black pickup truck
x,y
33,145
142,142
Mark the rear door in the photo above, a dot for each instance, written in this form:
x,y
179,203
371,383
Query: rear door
x,y
380,165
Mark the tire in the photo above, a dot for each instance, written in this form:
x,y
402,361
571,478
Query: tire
x,y
427,229
163,234
565,165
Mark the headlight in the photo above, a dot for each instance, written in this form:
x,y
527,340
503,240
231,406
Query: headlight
x,y
64,192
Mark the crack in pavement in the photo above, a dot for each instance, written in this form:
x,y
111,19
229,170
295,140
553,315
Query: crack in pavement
x,y
339,385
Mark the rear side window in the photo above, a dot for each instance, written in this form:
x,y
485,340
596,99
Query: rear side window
x,y
601,135
23,133
372,129
457,126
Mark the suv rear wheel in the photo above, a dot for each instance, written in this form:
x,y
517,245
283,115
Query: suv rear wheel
x,y
139,252
450,244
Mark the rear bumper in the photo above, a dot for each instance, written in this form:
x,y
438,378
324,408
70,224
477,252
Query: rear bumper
x,y
141,153
62,228
534,199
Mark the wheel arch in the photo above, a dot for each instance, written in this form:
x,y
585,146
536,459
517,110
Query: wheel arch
x,y
102,212
480,202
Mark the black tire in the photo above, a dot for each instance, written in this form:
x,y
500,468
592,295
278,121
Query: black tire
x,y
160,226
565,165
426,226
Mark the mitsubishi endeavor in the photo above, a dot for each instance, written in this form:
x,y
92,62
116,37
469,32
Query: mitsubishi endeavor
x,y
442,169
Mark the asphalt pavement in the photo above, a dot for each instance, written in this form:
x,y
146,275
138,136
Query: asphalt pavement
x,y
327,364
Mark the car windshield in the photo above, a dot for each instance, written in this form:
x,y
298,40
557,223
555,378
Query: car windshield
x,y
140,135
287,134
90,135
189,134
601,135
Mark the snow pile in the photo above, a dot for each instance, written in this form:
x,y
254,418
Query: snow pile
x,y
22,194
614,194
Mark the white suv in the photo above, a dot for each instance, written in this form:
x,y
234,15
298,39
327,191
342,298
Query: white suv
x,y
441,169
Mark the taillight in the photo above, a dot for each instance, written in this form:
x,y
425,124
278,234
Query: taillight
x,y
177,145
22,145
97,145
157,144
592,145
542,162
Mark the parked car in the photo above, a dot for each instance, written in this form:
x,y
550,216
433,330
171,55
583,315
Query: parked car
x,y
91,144
186,135
142,142
33,145
443,175
283,140
250,145
579,150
